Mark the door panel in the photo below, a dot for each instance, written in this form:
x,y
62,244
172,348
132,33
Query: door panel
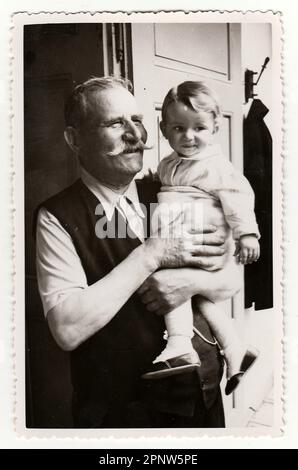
x,y
170,40
165,55
153,77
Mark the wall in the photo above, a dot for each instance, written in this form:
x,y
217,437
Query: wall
x,y
256,45
258,326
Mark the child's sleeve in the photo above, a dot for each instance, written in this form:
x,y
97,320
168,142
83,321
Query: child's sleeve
x,y
238,201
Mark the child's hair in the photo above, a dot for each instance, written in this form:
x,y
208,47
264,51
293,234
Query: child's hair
x,y
195,95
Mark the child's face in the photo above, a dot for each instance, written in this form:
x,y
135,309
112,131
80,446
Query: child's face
x,y
188,131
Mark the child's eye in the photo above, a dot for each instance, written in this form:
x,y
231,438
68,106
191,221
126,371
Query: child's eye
x,y
178,128
199,128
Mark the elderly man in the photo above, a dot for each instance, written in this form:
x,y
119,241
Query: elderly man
x,y
104,296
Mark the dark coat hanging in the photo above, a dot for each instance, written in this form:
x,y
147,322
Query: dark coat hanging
x,y
258,171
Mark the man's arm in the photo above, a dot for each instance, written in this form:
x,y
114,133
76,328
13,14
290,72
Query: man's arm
x,y
167,289
84,311
73,309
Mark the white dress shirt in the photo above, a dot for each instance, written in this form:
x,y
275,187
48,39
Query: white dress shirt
x,y
59,268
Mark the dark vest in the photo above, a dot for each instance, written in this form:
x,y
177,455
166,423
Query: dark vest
x,y
106,368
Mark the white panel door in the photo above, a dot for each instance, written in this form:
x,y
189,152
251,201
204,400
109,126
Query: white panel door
x,y
166,54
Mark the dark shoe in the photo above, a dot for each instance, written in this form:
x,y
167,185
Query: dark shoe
x,y
176,365
247,361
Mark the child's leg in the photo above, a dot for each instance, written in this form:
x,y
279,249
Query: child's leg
x,y
224,331
179,324
239,357
179,356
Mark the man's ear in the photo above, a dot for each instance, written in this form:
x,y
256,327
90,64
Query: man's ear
x,y
72,139
163,128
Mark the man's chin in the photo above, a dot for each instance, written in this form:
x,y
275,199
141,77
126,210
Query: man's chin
x,y
134,162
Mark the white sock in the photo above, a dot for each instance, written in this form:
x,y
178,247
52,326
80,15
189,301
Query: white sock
x,y
177,345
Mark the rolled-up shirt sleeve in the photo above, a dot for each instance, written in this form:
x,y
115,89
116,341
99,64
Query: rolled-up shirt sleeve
x,y
59,269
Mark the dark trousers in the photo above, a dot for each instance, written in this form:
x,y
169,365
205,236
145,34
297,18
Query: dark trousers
x,y
176,402
202,418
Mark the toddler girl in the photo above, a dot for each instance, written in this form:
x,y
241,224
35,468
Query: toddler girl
x,y
197,173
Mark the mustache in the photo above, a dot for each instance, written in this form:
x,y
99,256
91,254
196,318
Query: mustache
x,y
129,148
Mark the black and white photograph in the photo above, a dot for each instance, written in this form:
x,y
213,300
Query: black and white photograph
x,y
149,168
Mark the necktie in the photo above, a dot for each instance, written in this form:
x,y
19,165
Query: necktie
x,y
133,219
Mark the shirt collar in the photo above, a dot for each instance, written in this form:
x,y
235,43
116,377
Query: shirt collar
x,y
109,198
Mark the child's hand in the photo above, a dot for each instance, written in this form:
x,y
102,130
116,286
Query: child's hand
x,y
247,249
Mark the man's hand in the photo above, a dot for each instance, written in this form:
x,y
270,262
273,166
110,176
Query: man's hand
x,y
166,289
205,252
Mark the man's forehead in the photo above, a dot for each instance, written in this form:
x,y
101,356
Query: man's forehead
x,y
111,99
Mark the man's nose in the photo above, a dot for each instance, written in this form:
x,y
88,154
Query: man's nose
x,y
132,132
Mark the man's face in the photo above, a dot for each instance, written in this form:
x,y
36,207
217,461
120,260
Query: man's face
x,y
110,140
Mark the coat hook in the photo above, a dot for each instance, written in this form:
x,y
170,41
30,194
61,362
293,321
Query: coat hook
x,y
262,69
249,81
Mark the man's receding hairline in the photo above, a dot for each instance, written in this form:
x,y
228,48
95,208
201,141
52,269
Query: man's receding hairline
x,y
77,103
106,90
87,102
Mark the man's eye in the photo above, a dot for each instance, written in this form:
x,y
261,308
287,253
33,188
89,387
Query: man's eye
x,y
137,122
116,124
